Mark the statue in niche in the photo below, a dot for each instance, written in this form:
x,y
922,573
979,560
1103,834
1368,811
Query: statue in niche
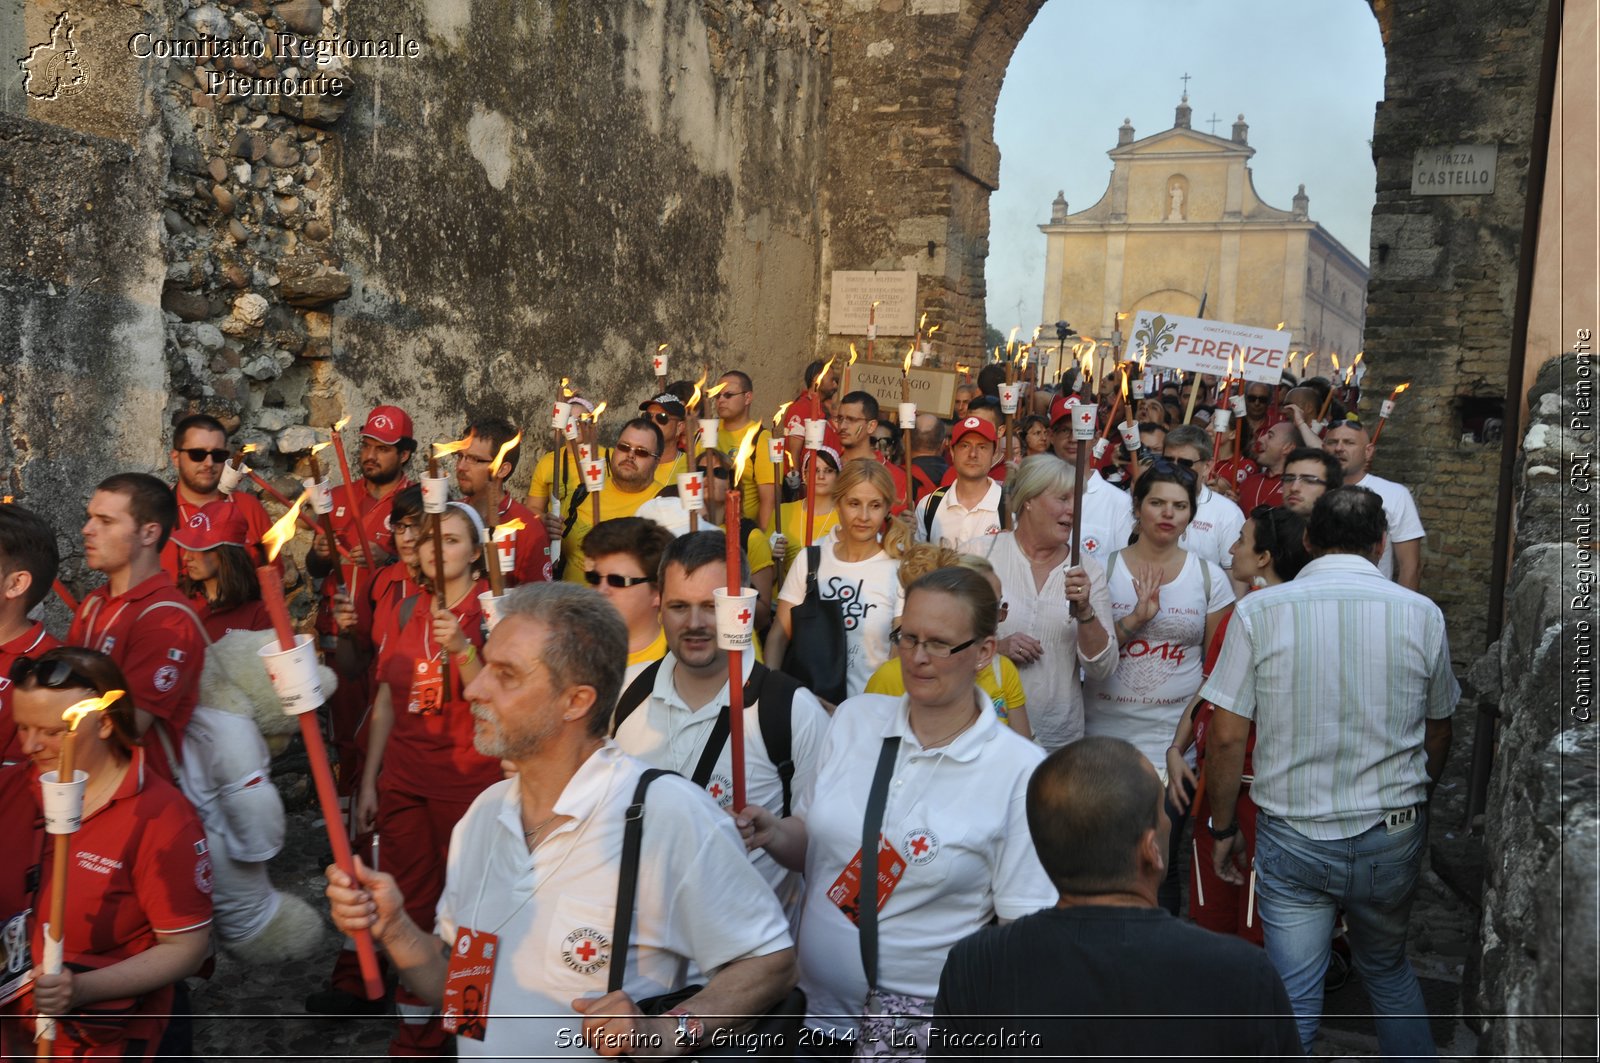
x,y
1175,213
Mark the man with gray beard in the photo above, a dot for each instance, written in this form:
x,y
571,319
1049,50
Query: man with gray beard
x,y
527,913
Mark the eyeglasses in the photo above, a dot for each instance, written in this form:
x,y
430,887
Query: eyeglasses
x,y
1300,478
881,441
909,644
638,452
52,675
406,527
200,454
719,472
613,579
728,394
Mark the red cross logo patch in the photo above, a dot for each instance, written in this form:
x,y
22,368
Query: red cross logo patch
x,y
720,787
1091,544
382,421
586,950
199,521
920,846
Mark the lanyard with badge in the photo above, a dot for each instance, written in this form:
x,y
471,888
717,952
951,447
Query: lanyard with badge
x,y
470,975
427,677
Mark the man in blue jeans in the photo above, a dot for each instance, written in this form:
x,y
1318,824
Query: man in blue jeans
x,y
1346,677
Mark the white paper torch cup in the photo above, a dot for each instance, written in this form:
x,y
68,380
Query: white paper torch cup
x,y
294,674
659,361
1100,448
1084,419
560,414
815,431
1008,397
1220,420
1237,402
505,549
691,490
491,608
320,495
736,618
232,476
919,357
1130,435
1385,408
585,452
872,331
435,494
908,415
570,427
708,433
775,449
1318,427
594,476
63,801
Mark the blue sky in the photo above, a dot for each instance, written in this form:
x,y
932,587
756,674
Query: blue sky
x,y
1307,74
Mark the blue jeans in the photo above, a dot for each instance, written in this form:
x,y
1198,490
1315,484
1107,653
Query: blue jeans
x,y
1300,886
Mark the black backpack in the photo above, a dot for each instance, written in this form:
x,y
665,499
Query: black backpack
x,y
773,693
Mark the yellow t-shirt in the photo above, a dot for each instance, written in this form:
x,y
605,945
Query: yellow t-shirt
x,y
792,519
542,487
667,471
613,504
1004,693
653,652
761,473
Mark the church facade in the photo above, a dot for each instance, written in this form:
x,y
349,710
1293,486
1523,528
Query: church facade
x,y
1180,221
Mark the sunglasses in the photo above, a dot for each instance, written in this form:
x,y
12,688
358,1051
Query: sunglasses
x,y
639,452
52,675
1255,398
664,418
199,454
613,579
719,472
1172,468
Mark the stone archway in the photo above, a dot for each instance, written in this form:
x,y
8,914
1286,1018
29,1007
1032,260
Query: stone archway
x,y
911,161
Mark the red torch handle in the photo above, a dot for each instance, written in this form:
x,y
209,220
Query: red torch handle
x,y
735,657
322,776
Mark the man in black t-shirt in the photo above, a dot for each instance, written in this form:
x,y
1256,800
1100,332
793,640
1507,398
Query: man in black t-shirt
x,y
1106,972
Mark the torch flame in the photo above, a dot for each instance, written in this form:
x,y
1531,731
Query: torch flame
x,y
1144,354
853,355
712,393
317,447
905,367
1399,389
281,532
1124,384
566,392
513,525
777,418
1335,362
248,448
594,418
1359,355
338,426
923,320
494,466
963,368
746,447
932,330
1279,326
694,399
75,713
442,449
816,385
661,348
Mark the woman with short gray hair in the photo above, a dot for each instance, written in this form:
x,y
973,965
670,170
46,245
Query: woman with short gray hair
x,y
1060,616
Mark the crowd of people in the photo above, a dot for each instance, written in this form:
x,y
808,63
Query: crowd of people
x,y
997,724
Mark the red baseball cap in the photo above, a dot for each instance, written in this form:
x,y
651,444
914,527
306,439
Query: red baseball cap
x,y
388,425
1061,408
970,425
219,523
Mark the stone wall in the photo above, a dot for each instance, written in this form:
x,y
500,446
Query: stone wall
x,y
1539,898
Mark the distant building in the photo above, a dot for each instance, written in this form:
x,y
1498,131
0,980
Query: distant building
x,y
1180,220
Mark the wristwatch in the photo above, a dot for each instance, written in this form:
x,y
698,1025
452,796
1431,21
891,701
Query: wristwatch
x,y
690,1029
1225,833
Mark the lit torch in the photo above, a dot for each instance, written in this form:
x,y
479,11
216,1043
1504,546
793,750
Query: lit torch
x,y
349,489
1385,409
730,531
436,527
311,734
1322,414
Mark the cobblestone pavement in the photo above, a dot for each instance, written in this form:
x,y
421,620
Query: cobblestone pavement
x,y
250,1013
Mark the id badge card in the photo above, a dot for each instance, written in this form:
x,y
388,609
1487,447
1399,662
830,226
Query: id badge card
x,y
846,889
15,974
467,982
427,687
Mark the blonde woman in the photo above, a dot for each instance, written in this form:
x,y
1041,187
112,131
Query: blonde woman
x,y
1060,617
859,569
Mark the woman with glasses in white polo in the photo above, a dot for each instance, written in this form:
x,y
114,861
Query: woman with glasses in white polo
x,y
939,784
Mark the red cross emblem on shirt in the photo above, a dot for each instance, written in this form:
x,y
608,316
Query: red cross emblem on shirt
x,y
715,790
743,617
919,845
585,950
693,487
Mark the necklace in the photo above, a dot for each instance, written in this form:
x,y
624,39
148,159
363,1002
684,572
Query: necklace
x,y
531,836
964,725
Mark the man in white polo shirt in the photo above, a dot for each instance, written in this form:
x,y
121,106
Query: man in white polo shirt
x,y
532,877
1217,520
1402,550
677,707
969,507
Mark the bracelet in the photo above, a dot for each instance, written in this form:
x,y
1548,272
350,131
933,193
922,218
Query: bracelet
x,y
1221,834
468,657
1122,629
1084,619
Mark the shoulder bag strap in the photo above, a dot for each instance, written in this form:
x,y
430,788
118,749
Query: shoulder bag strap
x,y
775,710
813,562
933,507
628,880
634,695
871,830
713,747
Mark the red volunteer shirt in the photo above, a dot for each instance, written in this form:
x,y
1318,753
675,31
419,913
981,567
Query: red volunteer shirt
x,y
255,518
251,616
31,643
352,504
433,754
1260,490
532,544
137,867
155,643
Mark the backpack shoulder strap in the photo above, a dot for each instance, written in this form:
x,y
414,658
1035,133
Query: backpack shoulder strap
x,y
408,606
628,879
1205,579
775,709
1111,562
933,507
635,694
813,562
182,607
